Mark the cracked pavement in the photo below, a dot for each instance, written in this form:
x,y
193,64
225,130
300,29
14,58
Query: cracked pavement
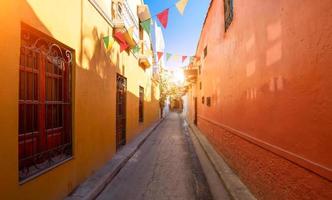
x,y
164,167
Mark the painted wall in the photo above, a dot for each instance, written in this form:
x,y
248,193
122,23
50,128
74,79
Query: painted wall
x,y
269,79
78,25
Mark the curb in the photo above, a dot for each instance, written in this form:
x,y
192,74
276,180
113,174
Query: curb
x,y
232,182
94,184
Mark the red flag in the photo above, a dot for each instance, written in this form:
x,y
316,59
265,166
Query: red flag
x,y
160,54
123,46
184,58
163,17
122,42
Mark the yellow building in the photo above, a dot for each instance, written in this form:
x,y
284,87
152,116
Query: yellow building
x,y
67,101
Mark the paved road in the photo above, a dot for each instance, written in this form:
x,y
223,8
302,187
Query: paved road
x,y
165,167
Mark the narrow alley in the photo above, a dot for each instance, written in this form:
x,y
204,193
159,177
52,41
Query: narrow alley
x,y
164,167
166,100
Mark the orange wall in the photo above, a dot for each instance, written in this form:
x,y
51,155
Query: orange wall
x,y
269,78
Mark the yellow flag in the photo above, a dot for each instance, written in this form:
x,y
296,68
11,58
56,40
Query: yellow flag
x,y
131,31
110,44
181,5
149,52
176,57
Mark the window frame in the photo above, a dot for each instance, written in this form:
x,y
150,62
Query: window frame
x,y
228,13
208,101
49,144
141,105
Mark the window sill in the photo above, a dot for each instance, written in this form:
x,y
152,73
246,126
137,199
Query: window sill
x,y
44,171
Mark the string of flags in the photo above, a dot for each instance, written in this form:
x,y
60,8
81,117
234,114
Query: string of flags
x,y
163,15
109,42
175,57
146,25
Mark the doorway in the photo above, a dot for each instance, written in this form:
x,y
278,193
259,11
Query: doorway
x,y
121,93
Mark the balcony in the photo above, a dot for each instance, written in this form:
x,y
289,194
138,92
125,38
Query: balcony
x,y
124,20
145,58
144,61
143,12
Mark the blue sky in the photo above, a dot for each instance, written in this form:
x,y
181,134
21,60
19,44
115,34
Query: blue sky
x,y
182,32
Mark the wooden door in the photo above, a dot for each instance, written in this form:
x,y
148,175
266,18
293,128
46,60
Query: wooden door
x,y
121,92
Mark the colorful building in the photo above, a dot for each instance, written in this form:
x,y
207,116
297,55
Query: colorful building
x,y
261,93
74,89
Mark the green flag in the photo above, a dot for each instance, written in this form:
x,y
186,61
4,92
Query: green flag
x,y
146,25
136,49
191,58
106,41
168,56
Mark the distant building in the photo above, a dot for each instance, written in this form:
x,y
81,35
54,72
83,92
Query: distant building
x,y
159,46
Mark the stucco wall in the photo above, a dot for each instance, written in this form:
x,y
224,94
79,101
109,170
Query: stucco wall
x,y
269,81
78,25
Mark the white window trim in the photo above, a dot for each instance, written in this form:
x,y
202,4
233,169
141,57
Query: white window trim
x,y
101,12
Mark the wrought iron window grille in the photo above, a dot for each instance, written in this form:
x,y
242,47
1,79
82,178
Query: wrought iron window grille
x,y
45,137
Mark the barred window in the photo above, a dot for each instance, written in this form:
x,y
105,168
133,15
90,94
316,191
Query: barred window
x,y
44,103
228,12
208,101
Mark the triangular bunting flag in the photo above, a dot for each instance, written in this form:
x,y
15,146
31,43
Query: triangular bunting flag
x,y
168,56
106,41
146,25
176,57
191,58
184,58
110,44
136,49
163,17
159,54
131,31
123,46
149,52
181,5
120,38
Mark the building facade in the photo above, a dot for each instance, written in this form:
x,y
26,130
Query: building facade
x,y
261,93
159,64
69,97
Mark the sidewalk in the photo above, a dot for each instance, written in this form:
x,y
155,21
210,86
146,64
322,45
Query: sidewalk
x,y
221,180
233,184
89,189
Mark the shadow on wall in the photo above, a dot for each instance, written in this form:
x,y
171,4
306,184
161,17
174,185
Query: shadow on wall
x,y
95,57
29,17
